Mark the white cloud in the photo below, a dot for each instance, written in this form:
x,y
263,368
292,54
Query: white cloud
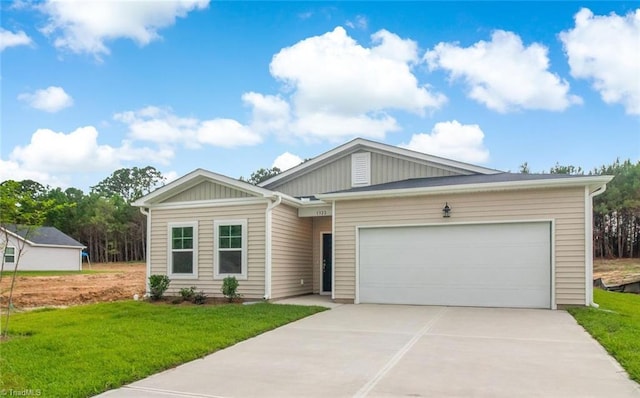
x,y
51,99
84,26
11,170
605,49
13,39
503,74
269,112
334,80
452,140
359,22
286,161
51,152
162,126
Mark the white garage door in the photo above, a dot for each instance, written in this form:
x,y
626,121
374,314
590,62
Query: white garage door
x,y
487,265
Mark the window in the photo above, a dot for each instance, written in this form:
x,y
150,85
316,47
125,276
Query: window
x,y
360,169
230,237
183,249
10,255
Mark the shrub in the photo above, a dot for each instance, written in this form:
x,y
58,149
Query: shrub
x,y
158,284
199,298
230,288
188,294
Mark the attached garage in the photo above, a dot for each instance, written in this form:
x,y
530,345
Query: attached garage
x,y
480,265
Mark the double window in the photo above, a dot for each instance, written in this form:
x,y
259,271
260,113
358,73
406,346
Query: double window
x,y
183,249
9,255
230,248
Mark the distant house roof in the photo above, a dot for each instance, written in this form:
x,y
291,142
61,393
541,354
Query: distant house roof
x,y
470,182
44,236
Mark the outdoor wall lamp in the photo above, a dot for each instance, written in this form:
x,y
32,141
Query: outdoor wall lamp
x,y
446,211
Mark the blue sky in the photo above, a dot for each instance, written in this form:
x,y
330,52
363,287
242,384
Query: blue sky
x,y
235,86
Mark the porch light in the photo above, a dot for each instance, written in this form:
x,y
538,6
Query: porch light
x,y
446,211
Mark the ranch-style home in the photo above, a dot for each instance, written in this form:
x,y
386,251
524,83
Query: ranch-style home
x,y
39,249
373,223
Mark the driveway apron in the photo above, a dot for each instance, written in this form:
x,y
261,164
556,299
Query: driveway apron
x,y
404,351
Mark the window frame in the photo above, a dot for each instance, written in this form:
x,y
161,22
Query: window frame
x,y
4,253
193,250
243,249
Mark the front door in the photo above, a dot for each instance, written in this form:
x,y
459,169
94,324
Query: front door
x,y
327,241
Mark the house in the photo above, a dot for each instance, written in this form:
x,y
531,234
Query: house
x,y
40,249
373,223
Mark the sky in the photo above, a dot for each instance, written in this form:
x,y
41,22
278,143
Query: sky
x,y
89,87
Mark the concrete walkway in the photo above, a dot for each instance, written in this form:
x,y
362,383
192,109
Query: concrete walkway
x,y
411,351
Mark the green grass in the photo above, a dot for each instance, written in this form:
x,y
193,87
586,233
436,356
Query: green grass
x,y
8,274
616,325
85,350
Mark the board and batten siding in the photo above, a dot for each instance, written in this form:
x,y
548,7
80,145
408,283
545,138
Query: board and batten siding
x,y
252,287
565,206
336,175
291,253
320,225
207,191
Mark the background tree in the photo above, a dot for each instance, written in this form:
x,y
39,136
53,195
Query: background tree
x,y
261,175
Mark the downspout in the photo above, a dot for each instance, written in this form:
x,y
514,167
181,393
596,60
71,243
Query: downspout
x,y
274,201
589,243
147,253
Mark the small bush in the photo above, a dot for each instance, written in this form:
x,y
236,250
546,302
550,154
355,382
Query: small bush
x,y
199,298
230,288
188,294
158,284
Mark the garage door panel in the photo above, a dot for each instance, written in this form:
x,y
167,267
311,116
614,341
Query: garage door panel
x,y
495,265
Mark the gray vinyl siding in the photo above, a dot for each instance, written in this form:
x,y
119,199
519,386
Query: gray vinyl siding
x,y
253,287
565,206
320,225
291,253
207,191
336,175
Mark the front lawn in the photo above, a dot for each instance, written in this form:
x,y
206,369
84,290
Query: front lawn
x,y
85,350
616,325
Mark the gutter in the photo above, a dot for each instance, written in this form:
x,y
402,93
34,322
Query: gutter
x,y
147,249
589,243
274,201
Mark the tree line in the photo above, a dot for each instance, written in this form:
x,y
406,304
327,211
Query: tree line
x,y
113,230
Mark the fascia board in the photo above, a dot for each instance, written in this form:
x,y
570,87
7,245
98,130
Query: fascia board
x,y
467,188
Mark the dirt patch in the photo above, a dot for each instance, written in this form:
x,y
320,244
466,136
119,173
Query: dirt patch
x,y
115,281
617,271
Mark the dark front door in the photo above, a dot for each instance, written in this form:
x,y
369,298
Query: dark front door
x,y
327,241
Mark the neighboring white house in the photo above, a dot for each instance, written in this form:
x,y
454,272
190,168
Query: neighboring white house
x,y
44,249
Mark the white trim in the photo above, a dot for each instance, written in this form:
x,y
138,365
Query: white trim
x,y
321,291
209,203
551,222
367,144
268,246
588,239
333,250
467,188
217,275
194,250
147,249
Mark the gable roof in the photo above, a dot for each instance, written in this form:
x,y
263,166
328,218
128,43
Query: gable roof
x,y
200,175
42,236
361,143
469,183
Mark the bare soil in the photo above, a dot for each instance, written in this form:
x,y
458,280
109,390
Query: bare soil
x,y
616,271
115,281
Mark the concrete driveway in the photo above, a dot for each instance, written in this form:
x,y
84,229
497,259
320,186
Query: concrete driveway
x,y
411,351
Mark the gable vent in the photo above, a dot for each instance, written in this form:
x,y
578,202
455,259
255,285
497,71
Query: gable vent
x,y
360,169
